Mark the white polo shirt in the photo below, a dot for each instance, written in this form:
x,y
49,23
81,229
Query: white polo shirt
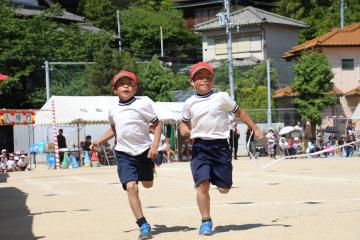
x,y
131,120
209,115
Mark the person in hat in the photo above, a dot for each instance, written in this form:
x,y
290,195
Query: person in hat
x,y
205,119
130,122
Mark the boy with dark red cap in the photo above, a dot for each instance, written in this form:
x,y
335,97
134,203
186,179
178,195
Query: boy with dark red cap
x,y
134,150
206,121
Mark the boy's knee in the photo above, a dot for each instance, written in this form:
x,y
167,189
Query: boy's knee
x,y
147,184
204,186
223,190
132,187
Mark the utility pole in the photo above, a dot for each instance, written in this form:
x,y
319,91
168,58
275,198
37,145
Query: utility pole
x,y
118,26
229,48
47,80
269,120
161,42
342,14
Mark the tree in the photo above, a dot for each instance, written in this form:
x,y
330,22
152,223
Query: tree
x,y
141,33
254,100
157,81
320,15
25,43
108,63
313,82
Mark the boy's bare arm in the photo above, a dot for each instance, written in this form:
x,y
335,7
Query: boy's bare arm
x,y
153,152
185,129
110,133
245,118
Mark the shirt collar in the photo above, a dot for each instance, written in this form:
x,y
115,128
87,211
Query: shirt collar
x,y
204,95
128,102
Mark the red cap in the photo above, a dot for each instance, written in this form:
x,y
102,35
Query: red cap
x,y
124,73
198,66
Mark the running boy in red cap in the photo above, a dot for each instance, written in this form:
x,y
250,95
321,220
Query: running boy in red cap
x,y
206,121
134,151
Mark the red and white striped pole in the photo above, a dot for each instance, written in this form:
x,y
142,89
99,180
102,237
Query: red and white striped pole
x,y
55,135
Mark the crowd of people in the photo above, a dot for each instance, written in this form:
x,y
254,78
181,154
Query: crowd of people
x,y
11,162
329,145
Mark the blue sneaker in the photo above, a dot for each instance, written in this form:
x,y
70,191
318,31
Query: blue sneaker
x,y
206,228
145,231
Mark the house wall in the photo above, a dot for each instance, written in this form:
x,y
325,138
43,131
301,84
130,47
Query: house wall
x,y
209,43
345,80
278,39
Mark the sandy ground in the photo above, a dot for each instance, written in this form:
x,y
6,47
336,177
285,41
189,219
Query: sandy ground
x,y
294,199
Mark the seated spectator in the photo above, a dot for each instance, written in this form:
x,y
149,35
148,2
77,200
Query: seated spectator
x,y
284,146
87,143
3,163
297,148
169,153
271,148
11,166
186,150
22,163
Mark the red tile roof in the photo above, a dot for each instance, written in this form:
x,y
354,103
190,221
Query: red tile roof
x,y
353,92
290,92
347,37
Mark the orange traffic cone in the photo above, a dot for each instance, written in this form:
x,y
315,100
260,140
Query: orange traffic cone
x,y
94,159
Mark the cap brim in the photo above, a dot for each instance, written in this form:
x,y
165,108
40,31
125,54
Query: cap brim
x,y
123,75
198,69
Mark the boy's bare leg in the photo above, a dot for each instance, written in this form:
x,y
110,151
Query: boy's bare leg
x,y
147,184
134,200
203,199
223,190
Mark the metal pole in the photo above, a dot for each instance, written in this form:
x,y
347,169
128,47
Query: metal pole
x,y
269,120
47,79
229,49
118,26
342,14
161,42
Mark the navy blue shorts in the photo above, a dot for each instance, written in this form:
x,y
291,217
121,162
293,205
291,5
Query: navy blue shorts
x,y
134,168
211,160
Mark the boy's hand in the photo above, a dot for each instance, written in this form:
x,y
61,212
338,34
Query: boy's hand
x,y
258,133
153,152
184,130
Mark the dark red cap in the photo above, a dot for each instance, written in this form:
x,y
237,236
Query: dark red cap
x,y
198,66
124,73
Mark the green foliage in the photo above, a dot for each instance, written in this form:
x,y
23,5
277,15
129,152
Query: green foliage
x,y
108,63
25,43
157,81
141,33
320,15
313,82
255,100
101,13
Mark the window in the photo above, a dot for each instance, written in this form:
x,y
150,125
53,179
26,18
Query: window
x,y
347,64
220,46
248,44
255,43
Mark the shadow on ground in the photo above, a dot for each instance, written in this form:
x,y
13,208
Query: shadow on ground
x,y
158,229
15,218
228,228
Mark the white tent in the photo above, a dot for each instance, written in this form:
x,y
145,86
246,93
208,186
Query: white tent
x,y
72,110
356,113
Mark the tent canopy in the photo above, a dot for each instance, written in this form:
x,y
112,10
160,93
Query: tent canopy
x,y
356,113
94,110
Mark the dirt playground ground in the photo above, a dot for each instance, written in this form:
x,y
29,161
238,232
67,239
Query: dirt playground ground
x,y
292,200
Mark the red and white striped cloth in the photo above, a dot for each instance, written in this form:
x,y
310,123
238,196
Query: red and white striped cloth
x,y
55,135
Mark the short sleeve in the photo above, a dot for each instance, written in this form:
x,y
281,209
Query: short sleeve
x,y
148,112
111,118
186,115
229,104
